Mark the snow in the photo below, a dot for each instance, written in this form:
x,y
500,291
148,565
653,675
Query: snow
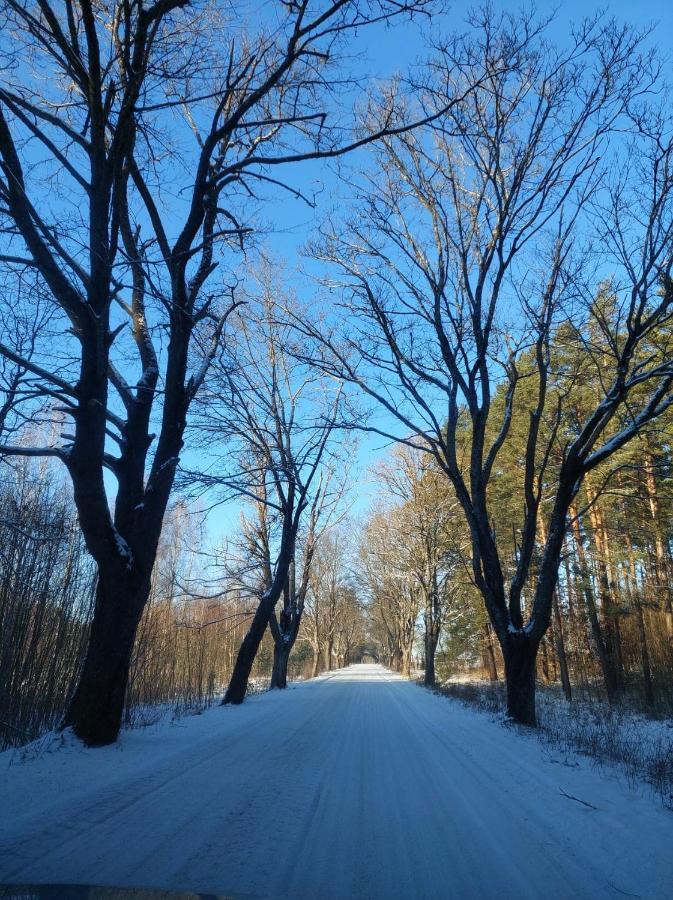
x,y
358,784
123,548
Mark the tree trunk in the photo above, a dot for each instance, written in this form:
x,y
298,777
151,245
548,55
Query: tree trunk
x,y
544,662
561,650
489,654
284,633
520,654
96,708
238,684
430,650
328,655
316,662
281,656
612,633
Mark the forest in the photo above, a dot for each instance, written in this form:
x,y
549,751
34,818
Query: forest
x,y
310,359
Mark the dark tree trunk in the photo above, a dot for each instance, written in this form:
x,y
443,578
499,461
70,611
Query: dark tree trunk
x,y
238,684
430,650
544,661
430,678
284,630
316,662
432,623
520,654
281,657
96,708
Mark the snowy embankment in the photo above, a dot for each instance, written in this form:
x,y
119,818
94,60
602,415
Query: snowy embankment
x,y
355,785
639,748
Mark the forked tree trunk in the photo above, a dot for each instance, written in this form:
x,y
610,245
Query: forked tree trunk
x,y
520,654
96,708
283,642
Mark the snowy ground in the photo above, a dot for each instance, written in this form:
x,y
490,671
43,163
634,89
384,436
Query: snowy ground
x,y
355,785
639,747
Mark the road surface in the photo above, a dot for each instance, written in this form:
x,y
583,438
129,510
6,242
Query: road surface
x,y
356,785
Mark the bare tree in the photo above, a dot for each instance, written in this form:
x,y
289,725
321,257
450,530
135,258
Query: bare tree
x,y
276,418
134,138
463,258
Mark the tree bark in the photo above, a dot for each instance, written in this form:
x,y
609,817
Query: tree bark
x,y
96,708
489,654
238,684
430,649
520,654
281,657
406,662
432,623
284,631
544,661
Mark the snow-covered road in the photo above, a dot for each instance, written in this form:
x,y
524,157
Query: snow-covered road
x,y
355,785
